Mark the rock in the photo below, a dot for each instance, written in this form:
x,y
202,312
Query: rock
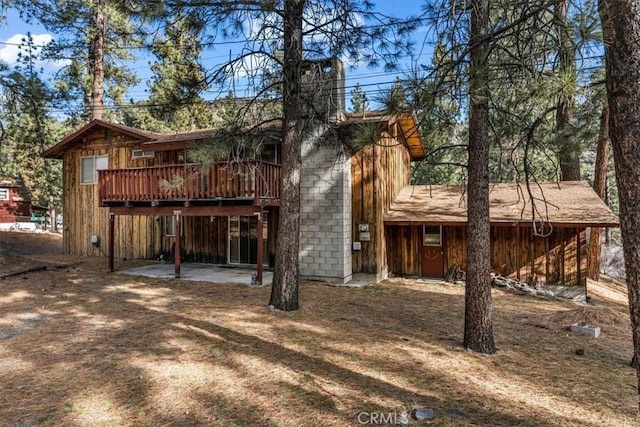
x,y
423,414
271,308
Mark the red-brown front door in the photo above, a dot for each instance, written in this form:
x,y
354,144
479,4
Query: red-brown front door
x,y
432,261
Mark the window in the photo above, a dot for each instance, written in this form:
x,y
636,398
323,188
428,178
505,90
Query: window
x,y
89,167
137,154
4,194
170,228
270,153
431,235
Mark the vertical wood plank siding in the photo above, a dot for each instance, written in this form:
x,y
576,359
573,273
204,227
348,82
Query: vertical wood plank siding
x,y
379,172
83,216
515,252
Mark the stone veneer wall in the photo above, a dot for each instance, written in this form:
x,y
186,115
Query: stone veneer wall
x,y
325,217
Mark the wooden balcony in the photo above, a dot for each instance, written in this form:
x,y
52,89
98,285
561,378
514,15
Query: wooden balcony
x,y
250,181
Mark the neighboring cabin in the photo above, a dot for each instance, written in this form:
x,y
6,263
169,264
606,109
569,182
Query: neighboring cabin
x,y
15,203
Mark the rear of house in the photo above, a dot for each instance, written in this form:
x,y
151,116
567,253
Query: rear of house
x,y
129,193
229,211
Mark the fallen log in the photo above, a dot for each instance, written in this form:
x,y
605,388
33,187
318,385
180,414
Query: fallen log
x,y
24,270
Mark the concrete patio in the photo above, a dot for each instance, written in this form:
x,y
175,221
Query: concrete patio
x,y
223,274
201,273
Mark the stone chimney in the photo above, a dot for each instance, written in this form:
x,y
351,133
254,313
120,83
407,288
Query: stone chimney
x,y
323,86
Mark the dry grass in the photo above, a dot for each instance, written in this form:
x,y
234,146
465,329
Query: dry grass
x,y
79,347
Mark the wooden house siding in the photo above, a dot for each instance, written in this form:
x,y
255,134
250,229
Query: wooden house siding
x,y
379,172
403,246
515,252
84,217
204,240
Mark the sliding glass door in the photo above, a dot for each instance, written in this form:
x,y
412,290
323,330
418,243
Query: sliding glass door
x,y
243,239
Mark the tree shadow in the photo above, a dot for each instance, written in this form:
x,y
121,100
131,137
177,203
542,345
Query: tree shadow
x,y
164,352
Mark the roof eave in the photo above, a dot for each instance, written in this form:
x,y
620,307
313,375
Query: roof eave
x,y
522,223
412,138
58,150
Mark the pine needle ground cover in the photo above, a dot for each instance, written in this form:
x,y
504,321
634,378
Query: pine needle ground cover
x,y
81,347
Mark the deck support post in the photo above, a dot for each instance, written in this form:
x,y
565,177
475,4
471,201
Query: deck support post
x,y
177,227
111,241
260,248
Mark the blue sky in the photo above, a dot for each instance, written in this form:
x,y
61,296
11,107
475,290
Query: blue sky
x,y
13,30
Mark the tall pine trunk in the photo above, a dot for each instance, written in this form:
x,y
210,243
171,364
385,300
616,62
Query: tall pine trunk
x,y
478,325
621,33
599,186
568,155
96,59
284,291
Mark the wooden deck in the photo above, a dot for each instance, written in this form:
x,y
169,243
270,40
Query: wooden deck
x,y
250,181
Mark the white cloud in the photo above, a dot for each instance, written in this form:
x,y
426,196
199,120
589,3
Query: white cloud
x,y
16,43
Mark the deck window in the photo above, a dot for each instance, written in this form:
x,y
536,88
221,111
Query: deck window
x,y
90,167
4,194
431,235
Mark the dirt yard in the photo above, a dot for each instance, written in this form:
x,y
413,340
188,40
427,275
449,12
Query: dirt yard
x,y
83,347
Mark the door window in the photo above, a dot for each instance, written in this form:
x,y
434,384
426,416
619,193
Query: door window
x,y
431,235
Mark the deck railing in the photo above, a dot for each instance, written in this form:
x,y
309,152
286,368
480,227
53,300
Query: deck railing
x,y
238,180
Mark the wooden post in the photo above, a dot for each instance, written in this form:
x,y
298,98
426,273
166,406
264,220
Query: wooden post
x,y
578,261
111,241
562,255
260,248
518,249
547,247
177,220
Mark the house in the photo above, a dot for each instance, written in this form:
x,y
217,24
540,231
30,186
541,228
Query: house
x,y
537,234
15,203
129,193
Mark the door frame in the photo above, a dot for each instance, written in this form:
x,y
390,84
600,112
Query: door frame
x,y
430,242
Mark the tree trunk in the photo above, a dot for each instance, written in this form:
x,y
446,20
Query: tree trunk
x,y
568,155
621,33
96,60
478,325
284,291
599,186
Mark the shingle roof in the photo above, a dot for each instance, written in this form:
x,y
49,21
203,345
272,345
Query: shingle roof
x,y
568,203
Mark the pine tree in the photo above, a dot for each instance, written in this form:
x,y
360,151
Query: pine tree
x,y
95,37
621,33
28,128
276,44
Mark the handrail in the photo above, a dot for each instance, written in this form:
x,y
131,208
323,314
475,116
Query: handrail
x,y
248,179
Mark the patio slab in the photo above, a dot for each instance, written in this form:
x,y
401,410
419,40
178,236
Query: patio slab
x,y
200,273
